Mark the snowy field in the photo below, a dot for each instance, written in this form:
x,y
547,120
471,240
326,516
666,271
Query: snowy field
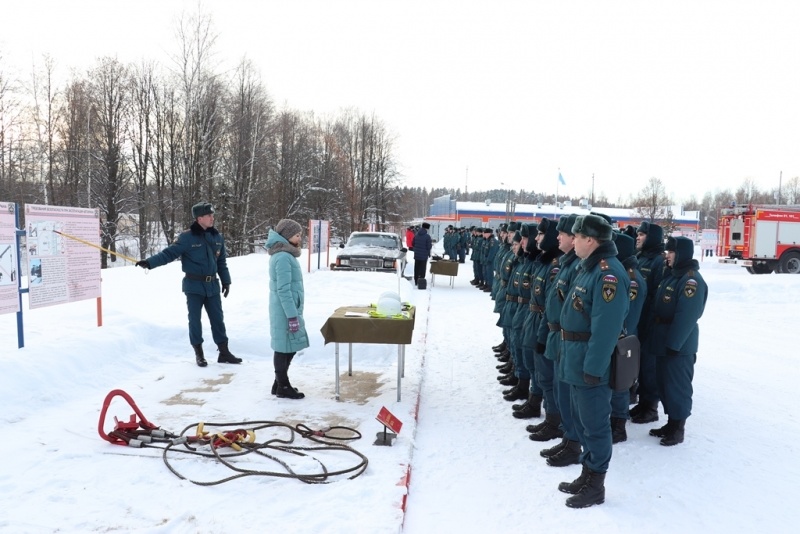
x,y
472,467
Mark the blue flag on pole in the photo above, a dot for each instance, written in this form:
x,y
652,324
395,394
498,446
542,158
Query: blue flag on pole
x,y
561,179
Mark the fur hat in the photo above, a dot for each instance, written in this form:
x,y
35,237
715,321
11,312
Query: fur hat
x,y
644,228
532,248
487,230
513,226
626,246
655,237
592,226
630,230
550,240
603,215
288,228
568,222
683,248
202,208
517,237
543,225
426,225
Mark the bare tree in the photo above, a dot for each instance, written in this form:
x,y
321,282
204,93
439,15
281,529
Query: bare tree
x,y
652,202
140,134
200,93
45,122
110,94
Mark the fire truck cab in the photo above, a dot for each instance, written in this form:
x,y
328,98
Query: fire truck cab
x,y
761,238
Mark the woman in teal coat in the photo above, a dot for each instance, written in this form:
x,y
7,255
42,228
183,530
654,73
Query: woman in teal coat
x,y
286,299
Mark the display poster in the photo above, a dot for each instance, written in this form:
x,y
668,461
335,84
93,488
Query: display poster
x,y
9,285
317,236
60,267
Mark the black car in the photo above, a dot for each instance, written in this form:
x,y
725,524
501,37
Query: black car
x,y
371,251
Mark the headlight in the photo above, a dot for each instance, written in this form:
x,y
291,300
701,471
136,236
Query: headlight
x,y
388,264
344,261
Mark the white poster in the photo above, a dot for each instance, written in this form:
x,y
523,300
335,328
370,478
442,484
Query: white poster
x,y
9,285
63,263
317,236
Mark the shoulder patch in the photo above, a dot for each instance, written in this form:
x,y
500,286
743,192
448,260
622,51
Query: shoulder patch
x,y
609,292
690,289
610,278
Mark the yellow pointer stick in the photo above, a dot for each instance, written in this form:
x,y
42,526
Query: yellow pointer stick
x,y
96,246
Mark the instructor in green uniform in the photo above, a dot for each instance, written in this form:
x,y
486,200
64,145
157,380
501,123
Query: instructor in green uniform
x,y
201,250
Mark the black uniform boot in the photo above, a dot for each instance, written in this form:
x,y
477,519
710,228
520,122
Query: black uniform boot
x,y
570,454
550,429
520,391
530,409
506,367
618,433
225,355
663,431
644,412
552,451
593,491
198,355
501,347
508,380
675,434
520,406
575,486
504,356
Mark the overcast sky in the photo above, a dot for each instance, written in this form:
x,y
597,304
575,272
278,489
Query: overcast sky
x,y
701,94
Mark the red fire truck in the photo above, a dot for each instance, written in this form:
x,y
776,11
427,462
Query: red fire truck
x,y
762,238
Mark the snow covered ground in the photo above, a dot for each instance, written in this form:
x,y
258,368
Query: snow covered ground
x,y
472,467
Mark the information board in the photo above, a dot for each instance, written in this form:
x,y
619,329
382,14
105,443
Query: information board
x,y
9,285
62,269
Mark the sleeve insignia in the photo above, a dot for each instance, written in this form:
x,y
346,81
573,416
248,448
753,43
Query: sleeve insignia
x,y
690,289
609,292
610,279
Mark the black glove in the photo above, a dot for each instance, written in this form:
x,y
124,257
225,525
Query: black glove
x,y
591,380
540,348
226,288
143,264
672,352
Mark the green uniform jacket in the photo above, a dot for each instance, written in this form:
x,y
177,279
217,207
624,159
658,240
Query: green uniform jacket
x,y
679,302
557,293
202,253
597,306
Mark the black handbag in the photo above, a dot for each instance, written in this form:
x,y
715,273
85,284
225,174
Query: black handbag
x,y
625,363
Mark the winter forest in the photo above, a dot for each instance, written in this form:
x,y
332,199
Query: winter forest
x,y
143,142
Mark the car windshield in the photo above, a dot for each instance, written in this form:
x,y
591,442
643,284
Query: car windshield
x,y
373,240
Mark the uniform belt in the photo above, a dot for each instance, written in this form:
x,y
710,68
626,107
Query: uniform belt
x,y
537,309
553,327
663,320
575,336
523,300
201,277
511,298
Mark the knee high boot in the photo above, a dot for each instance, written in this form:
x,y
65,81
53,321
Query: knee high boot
x,y
283,388
274,390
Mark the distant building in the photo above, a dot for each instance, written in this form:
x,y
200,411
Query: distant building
x,y
445,211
